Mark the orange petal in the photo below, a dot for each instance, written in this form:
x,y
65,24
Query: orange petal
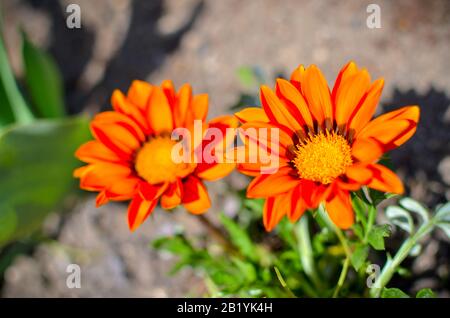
x,y
216,171
394,128
297,204
101,199
385,180
294,102
348,70
268,185
139,210
359,173
139,93
169,90
100,175
297,75
260,134
366,150
273,212
93,151
365,111
198,109
122,105
159,112
315,89
195,196
276,110
172,196
123,190
181,107
350,92
340,209
111,117
249,164
252,114
151,192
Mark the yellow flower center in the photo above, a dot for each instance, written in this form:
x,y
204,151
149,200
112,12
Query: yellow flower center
x,y
322,157
154,162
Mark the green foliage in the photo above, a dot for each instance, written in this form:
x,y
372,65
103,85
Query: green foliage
x,y
397,293
393,293
239,237
43,81
36,164
13,107
359,256
425,293
377,234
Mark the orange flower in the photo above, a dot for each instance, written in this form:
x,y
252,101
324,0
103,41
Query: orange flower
x,y
130,158
328,145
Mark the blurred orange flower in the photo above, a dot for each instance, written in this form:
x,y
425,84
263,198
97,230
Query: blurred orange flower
x,y
130,158
328,146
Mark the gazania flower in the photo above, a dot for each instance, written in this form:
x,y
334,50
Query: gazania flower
x,y
329,144
130,158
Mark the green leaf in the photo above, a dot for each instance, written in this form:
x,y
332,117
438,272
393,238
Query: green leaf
x,y
13,107
416,207
239,237
43,80
445,227
443,212
393,293
359,256
36,165
249,77
377,234
401,218
425,293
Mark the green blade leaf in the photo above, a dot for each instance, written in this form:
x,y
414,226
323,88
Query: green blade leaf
x,y
359,256
36,165
377,234
43,81
239,237
425,293
401,218
393,293
13,107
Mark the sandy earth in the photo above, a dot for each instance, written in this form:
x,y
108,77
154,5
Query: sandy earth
x,y
204,44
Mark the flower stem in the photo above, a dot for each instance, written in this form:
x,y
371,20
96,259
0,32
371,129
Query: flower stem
x,y
216,233
391,265
343,240
342,277
301,232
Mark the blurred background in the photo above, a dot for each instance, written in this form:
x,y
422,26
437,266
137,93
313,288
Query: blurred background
x,y
206,43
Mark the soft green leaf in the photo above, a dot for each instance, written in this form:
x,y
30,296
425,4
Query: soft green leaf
x,y
239,237
360,209
43,80
393,293
377,234
443,212
13,107
250,77
401,218
359,256
425,293
416,207
444,227
36,165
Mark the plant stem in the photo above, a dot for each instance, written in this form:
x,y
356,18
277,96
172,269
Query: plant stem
x,y
216,233
342,277
391,266
301,232
343,240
